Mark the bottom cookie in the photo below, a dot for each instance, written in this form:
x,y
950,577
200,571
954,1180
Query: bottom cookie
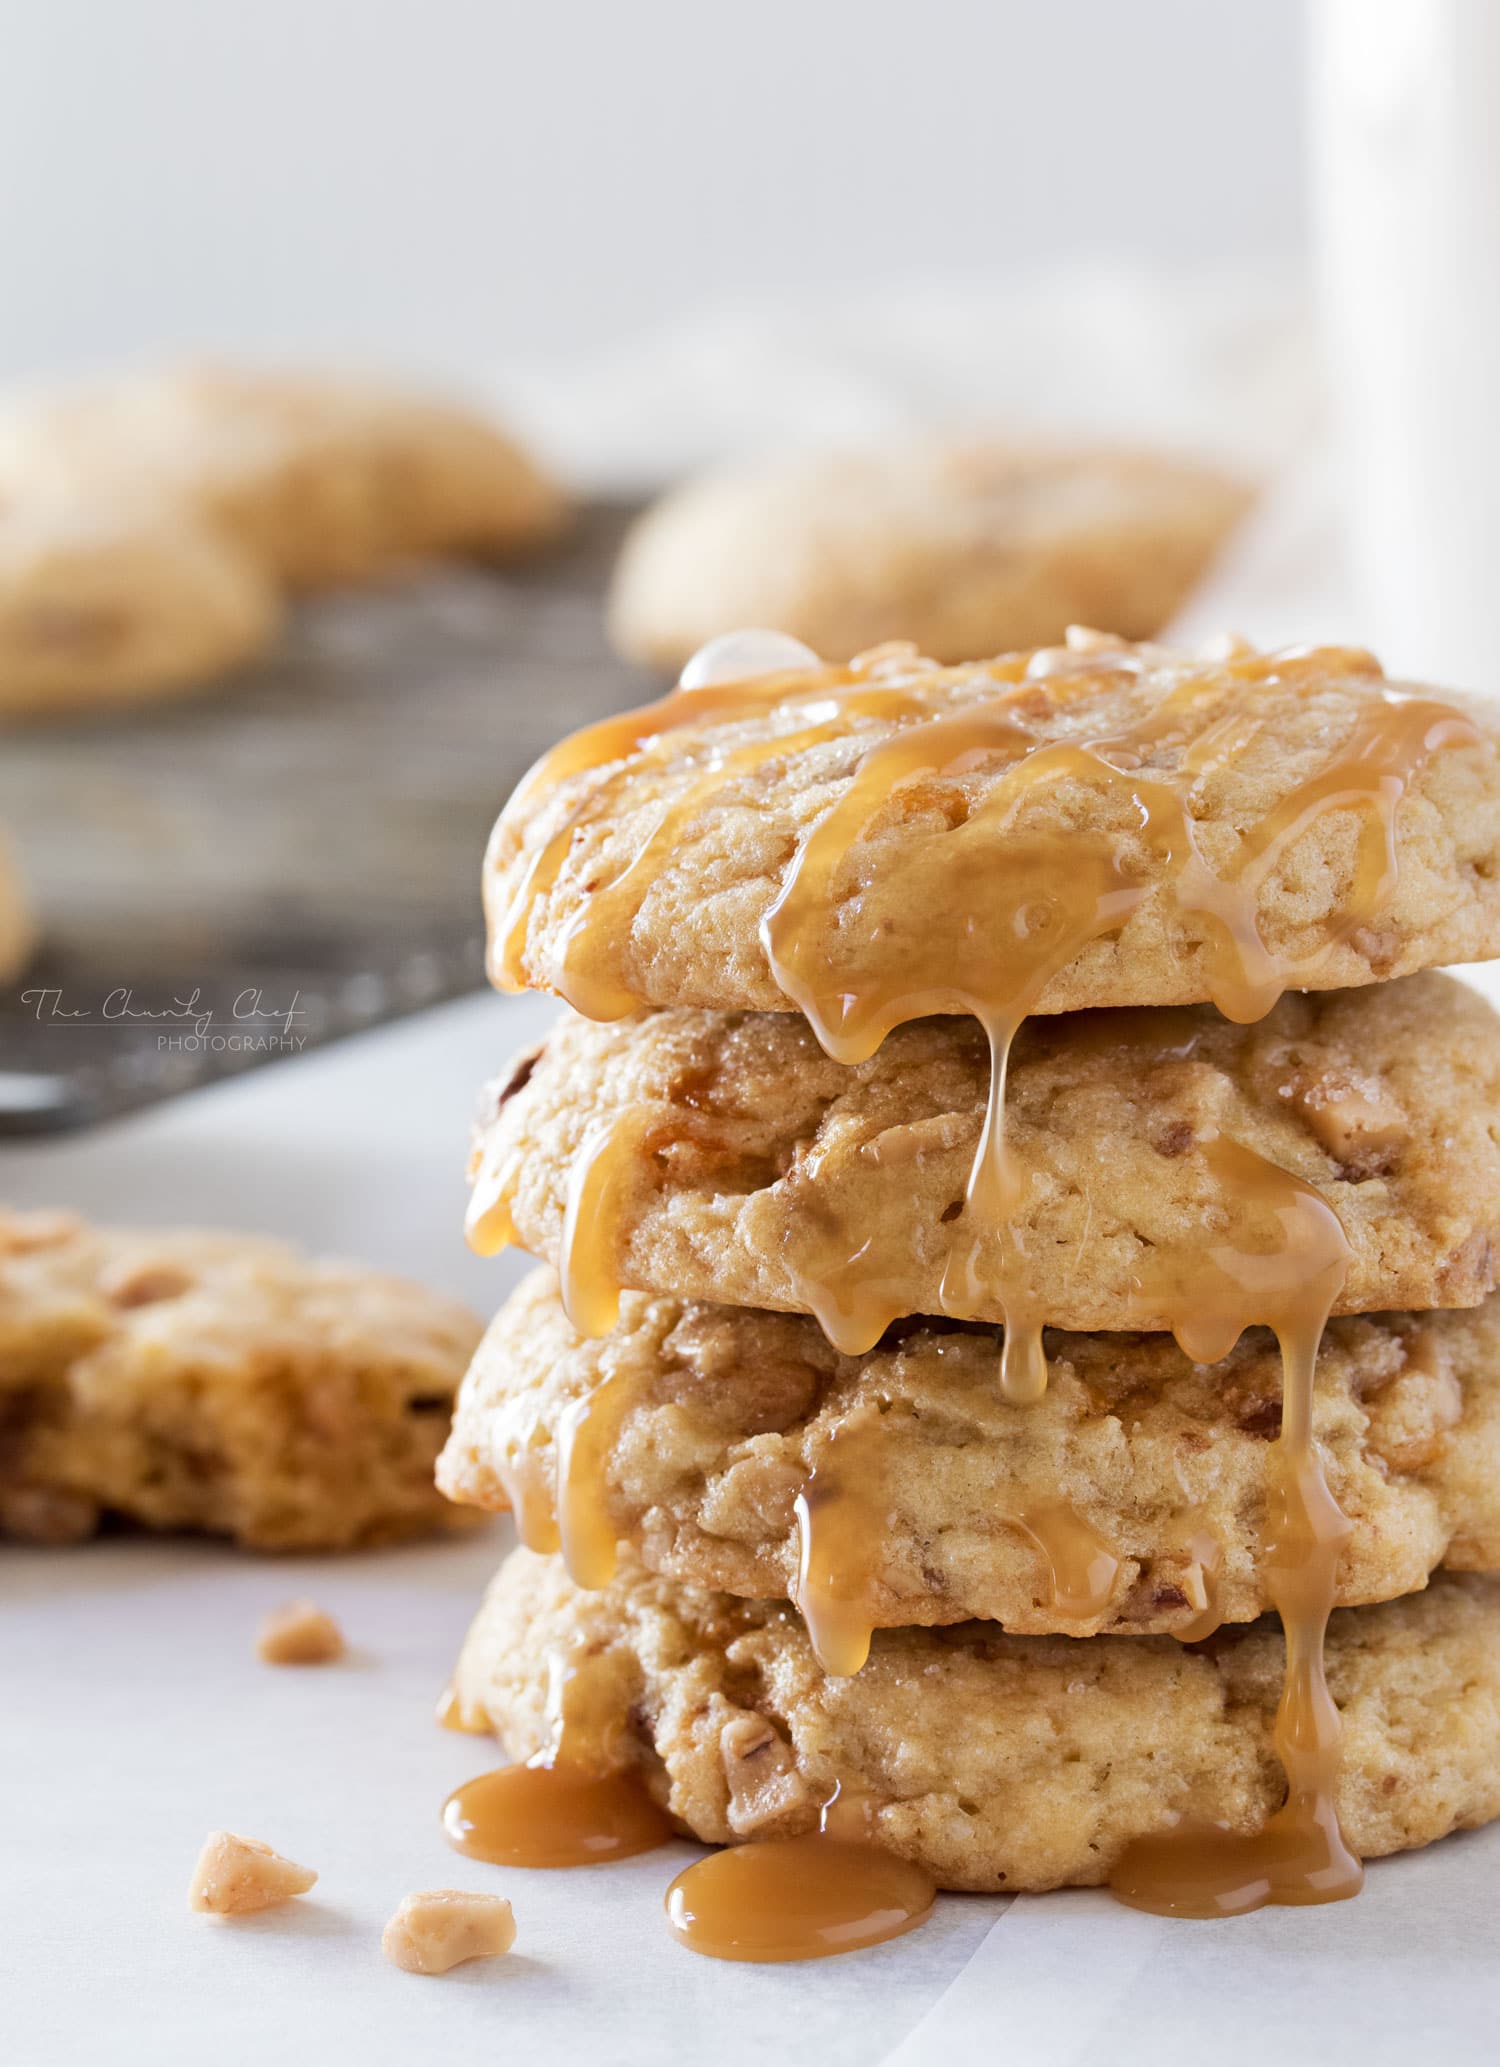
x,y
217,1382
995,1762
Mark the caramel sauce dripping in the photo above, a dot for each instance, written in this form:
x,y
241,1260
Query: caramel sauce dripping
x,y
1289,1284
990,948
597,1187
586,1431
489,1225
526,1482
839,1534
796,1898
841,1528
1081,1567
566,1806
449,1715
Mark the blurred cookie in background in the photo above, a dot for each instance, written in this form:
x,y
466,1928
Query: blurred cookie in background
x,y
221,1383
325,481
965,549
152,524
103,601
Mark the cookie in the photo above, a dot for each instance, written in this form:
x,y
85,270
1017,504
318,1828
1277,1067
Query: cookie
x,y
217,1382
1131,1498
995,1762
113,602
756,1172
321,480
1094,825
965,549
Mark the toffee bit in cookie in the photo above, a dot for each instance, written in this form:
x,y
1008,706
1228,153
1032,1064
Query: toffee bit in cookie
x,y
235,1876
443,1927
299,1634
1353,1117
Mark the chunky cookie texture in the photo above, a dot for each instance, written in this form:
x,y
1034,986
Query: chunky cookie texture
x,y
1270,767
1157,1464
994,1761
964,549
217,1382
769,1176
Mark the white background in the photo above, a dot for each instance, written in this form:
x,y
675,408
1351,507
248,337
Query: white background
x,y
453,184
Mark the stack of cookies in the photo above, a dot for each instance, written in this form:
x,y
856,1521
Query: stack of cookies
x,y
1020,1223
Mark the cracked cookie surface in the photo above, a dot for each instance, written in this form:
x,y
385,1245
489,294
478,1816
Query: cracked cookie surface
x,y
721,1416
763,1167
1135,789
998,1763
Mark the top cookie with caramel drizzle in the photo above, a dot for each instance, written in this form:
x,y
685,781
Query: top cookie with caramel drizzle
x,y
1097,824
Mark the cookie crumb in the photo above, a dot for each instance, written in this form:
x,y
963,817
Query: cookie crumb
x,y
442,1927
299,1634
237,1875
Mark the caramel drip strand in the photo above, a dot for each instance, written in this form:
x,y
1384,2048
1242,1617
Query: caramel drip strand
x,y
449,1715
1299,1856
794,1898
526,1483
614,749
1041,914
1371,774
840,1533
1082,1570
585,1436
580,969
488,1223
574,1803
598,1187
614,743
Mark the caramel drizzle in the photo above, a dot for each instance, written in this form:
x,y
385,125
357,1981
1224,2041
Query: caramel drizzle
x,y
839,1530
489,1225
570,1804
1290,1285
841,1525
598,1187
586,1433
1052,903
522,1472
1082,1570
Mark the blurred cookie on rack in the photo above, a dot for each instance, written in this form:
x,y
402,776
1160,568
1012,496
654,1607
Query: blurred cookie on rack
x,y
104,602
965,549
150,526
